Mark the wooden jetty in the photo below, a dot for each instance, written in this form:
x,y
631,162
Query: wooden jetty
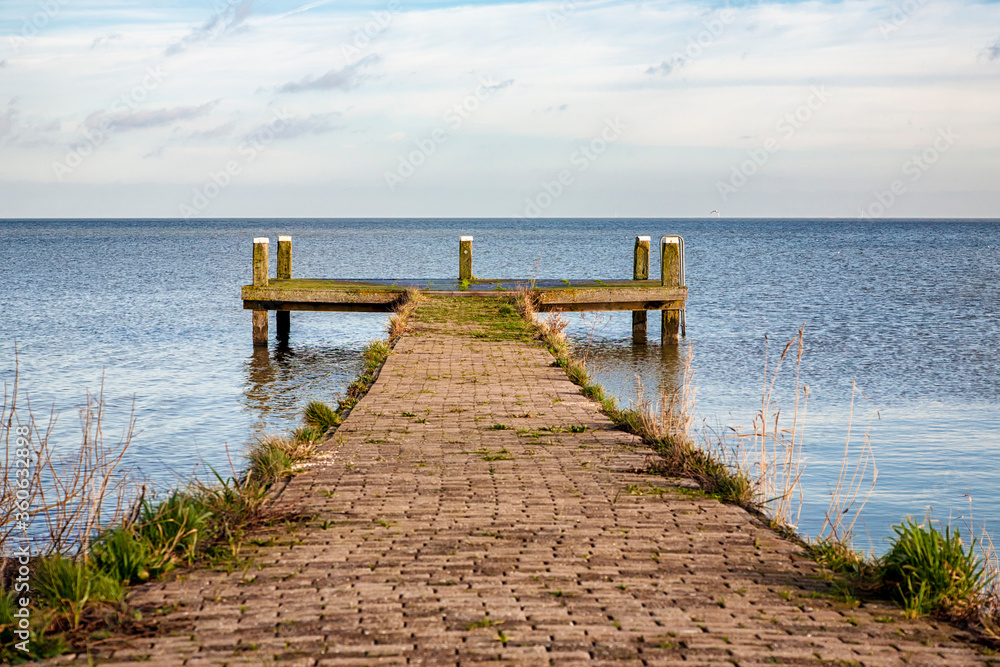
x,y
284,294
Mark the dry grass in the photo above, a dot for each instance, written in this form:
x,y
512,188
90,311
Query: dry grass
x,y
672,417
855,483
399,319
273,456
70,495
989,608
769,453
549,329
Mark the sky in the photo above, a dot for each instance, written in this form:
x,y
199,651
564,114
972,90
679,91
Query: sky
x,y
563,108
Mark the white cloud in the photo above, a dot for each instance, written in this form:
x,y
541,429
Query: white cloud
x,y
691,110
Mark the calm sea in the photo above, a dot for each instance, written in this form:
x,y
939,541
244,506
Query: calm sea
x,y
907,310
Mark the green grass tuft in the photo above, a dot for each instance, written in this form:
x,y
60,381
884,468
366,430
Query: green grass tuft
x,y
40,644
172,530
69,586
929,570
123,555
321,417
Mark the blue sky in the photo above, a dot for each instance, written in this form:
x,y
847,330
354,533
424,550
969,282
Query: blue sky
x,y
562,108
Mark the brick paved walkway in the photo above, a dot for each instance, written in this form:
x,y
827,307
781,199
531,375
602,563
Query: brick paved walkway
x,y
441,539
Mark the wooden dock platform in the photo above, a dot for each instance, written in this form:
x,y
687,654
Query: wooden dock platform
x,y
382,295
284,294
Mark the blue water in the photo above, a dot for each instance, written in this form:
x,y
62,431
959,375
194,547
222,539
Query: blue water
x,y
909,310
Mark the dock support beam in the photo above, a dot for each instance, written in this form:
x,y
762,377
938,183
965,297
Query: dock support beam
x,y
260,270
670,267
282,318
465,258
640,271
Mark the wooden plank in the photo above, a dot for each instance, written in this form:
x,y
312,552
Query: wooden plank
x,y
613,294
332,295
288,306
609,306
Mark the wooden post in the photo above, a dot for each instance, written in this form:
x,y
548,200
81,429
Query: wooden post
x,y
260,261
670,276
260,328
260,270
282,318
640,271
284,258
465,258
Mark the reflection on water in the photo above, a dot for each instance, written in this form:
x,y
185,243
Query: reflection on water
x,y
281,379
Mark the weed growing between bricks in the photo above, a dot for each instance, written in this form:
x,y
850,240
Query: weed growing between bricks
x,y
928,570
79,600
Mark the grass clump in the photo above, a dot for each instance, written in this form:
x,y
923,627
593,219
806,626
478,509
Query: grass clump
x,y
122,556
272,457
172,529
39,643
375,354
69,586
320,418
931,570
399,320
928,570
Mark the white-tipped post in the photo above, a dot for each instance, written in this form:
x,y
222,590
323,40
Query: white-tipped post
x,y
670,276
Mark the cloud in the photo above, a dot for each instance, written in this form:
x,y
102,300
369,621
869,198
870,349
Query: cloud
x,y
993,52
506,83
138,120
223,130
103,40
317,123
667,67
3,63
8,120
344,78
225,21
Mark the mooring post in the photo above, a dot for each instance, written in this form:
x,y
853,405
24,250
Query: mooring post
x,y
282,318
465,258
284,258
260,269
640,271
670,267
